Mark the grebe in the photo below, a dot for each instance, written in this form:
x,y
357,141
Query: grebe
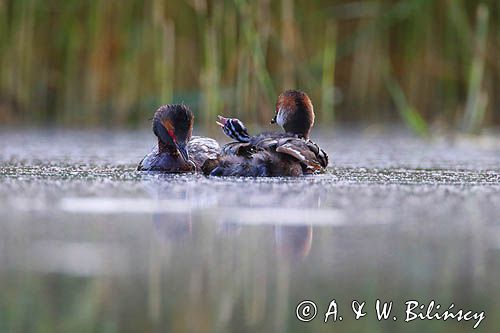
x,y
177,150
272,154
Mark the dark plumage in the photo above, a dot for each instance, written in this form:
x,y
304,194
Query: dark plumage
x,y
260,164
177,151
272,154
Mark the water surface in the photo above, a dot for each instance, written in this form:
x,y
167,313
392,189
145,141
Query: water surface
x,y
89,244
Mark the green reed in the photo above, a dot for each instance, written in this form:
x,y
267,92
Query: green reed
x,y
111,62
476,97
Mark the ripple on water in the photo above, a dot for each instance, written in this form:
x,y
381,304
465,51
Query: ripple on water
x,y
402,176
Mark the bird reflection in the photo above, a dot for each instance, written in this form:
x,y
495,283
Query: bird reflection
x,y
173,226
172,217
289,241
179,206
293,242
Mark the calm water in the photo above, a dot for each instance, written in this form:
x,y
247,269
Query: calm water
x,y
87,244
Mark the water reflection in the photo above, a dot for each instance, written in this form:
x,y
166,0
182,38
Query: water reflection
x,y
292,237
293,241
94,246
173,226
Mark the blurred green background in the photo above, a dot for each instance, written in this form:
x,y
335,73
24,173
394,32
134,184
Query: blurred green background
x,y
111,63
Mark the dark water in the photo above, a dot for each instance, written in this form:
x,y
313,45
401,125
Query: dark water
x,y
88,244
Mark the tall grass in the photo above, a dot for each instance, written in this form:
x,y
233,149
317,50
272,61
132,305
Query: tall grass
x,y
110,62
476,97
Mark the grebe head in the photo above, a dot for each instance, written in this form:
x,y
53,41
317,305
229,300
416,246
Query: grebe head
x,y
234,128
295,113
173,125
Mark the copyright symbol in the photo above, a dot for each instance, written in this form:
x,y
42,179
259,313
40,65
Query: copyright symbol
x,y
306,311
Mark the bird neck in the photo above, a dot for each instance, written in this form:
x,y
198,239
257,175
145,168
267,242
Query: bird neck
x,y
166,148
297,121
298,128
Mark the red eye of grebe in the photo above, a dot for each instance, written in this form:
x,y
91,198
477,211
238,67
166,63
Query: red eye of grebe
x,y
172,135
